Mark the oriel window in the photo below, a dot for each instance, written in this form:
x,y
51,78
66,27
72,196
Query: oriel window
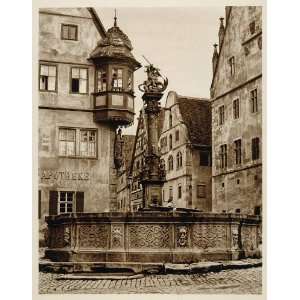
x,y
255,148
253,100
69,32
232,65
67,138
236,109
79,80
238,151
223,156
117,79
129,81
87,143
47,78
221,115
101,81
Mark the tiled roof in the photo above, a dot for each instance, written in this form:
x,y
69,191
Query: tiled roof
x,y
127,150
196,114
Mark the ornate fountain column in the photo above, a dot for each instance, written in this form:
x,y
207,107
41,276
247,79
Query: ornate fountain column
x,y
152,176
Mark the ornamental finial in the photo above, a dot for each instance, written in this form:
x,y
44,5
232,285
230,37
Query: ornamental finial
x,y
115,22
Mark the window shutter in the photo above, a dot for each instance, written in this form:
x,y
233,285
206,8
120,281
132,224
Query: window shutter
x,y
79,201
53,198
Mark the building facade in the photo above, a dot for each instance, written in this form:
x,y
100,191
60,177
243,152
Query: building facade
x,y
85,93
138,158
236,93
185,147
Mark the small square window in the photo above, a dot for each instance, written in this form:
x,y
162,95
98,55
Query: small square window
x,y
201,191
69,32
238,181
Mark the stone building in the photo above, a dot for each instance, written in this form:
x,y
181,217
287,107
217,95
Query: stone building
x,y
236,93
123,173
185,146
85,93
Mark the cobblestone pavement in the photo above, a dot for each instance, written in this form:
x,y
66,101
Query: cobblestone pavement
x,y
244,281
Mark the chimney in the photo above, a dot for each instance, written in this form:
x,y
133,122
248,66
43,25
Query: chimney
x,y
221,31
215,58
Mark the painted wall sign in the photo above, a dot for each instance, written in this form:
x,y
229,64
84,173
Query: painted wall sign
x,y
63,175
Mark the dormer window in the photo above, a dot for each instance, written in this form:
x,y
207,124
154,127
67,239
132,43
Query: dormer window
x,y
117,79
69,32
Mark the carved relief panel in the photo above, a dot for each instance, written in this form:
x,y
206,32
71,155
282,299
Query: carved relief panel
x,y
60,236
182,236
93,236
149,236
209,236
249,237
117,236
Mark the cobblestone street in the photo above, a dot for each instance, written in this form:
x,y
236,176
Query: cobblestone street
x,y
244,281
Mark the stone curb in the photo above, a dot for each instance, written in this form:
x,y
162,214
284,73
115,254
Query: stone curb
x,y
205,267
97,277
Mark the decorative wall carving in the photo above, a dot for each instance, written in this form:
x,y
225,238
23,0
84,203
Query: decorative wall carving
x,y
209,236
248,236
149,236
235,237
93,236
117,236
182,236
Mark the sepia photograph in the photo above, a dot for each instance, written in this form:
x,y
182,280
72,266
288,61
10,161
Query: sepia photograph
x,y
150,149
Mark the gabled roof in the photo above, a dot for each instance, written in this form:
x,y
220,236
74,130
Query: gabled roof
x,y
196,115
97,22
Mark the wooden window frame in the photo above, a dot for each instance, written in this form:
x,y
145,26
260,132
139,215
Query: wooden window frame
x,y
236,108
88,142
253,101
117,89
255,148
87,80
56,76
177,135
68,25
78,131
232,66
66,202
223,156
103,69
179,191
170,163
238,151
179,160
221,115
